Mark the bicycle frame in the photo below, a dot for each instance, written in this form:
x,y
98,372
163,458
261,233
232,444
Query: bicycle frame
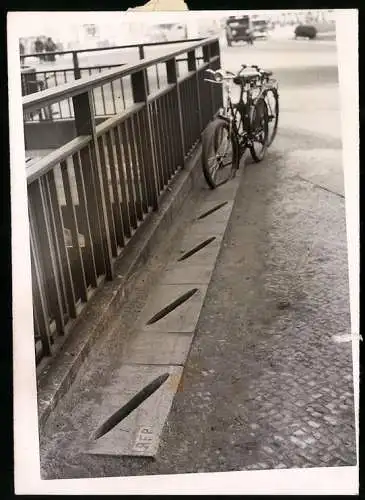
x,y
239,115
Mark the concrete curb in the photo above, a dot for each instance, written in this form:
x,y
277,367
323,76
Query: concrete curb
x,y
54,380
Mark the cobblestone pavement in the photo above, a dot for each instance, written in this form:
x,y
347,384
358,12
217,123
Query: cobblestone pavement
x,y
265,386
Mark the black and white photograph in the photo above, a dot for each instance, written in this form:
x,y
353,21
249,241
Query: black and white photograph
x,y
187,244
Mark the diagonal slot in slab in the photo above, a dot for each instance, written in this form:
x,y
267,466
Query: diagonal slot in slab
x,y
181,319
212,210
139,433
207,254
130,406
196,249
215,224
172,306
198,267
158,348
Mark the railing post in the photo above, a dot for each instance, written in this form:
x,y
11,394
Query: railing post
x,y
142,56
140,94
206,59
172,78
192,67
75,60
141,51
85,125
218,90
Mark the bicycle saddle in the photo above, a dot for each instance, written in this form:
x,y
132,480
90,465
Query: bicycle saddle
x,y
246,75
263,72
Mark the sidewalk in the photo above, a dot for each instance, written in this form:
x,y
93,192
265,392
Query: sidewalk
x,y
265,385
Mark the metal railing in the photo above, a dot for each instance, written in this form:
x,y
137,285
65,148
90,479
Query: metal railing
x,y
43,79
89,197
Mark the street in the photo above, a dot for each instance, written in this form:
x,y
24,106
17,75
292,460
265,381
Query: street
x,y
265,386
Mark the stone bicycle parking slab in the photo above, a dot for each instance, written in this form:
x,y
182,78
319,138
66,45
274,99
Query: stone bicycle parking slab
x,y
139,433
158,348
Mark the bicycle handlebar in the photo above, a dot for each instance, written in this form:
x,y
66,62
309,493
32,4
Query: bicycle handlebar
x,y
229,75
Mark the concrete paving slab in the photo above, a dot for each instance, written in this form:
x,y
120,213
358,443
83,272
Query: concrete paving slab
x,y
182,319
202,227
139,433
158,348
185,273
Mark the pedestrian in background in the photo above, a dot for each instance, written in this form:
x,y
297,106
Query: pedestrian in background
x,y
38,45
50,46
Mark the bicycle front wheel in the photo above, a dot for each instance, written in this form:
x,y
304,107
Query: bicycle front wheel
x,y
259,130
220,156
271,97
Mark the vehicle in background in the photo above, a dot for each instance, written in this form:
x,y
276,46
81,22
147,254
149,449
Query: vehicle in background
x,y
305,31
260,28
238,29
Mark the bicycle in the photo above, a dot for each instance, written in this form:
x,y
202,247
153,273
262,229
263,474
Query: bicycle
x,y
240,126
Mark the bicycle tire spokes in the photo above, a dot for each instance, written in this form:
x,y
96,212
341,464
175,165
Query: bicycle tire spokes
x,y
223,157
259,133
272,102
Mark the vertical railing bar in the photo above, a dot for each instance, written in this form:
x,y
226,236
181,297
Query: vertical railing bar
x,y
173,78
127,162
39,299
39,213
79,268
105,187
166,135
64,258
142,164
150,180
113,97
192,110
122,88
124,201
133,152
118,219
83,210
166,132
103,98
69,106
62,295
158,138
171,128
95,219
157,77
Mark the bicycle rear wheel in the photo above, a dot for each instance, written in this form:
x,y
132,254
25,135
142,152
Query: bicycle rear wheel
x,y
220,156
271,97
259,130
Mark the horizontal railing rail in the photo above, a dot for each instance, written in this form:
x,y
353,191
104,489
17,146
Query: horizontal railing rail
x,y
88,198
49,96
116,47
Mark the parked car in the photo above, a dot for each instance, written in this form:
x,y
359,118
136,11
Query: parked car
x,y
238,29
260,28
305,31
